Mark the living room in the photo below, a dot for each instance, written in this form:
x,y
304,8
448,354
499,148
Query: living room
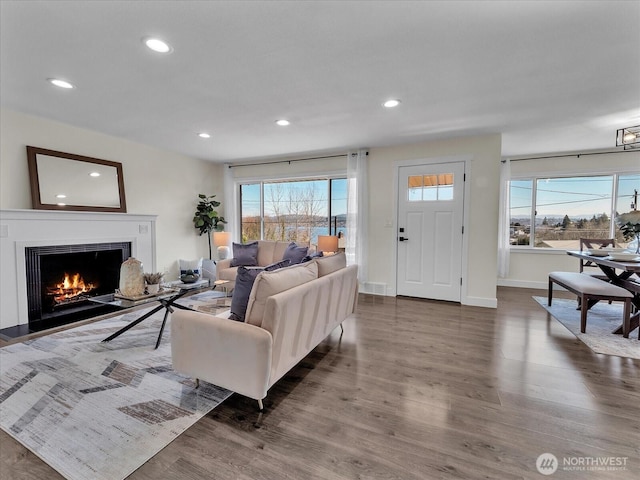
x,y
163,181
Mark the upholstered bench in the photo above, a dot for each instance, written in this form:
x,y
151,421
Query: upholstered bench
x,y
589,288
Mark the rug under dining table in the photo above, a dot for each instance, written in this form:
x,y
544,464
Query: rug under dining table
x,y
602,319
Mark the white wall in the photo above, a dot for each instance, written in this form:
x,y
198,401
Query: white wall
x,y
479,283
484,152
530,268
157,182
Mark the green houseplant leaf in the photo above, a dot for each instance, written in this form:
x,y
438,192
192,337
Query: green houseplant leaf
x,y
206,218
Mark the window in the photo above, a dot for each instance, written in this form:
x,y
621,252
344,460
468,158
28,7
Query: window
x,y
430,188
297,210
557,212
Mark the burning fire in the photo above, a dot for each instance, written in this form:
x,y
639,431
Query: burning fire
x,y
70,288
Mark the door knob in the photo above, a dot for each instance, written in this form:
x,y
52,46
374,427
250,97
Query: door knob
x,y
402,239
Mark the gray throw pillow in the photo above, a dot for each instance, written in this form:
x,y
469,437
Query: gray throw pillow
x,y
245,254
295,253
244,283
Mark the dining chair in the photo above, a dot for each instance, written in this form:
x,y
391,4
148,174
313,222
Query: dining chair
x,y
594,244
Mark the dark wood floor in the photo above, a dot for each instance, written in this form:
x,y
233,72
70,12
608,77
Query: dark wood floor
x,y
416,390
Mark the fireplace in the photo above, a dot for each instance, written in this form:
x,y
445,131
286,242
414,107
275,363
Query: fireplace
x,y
23,229
62,279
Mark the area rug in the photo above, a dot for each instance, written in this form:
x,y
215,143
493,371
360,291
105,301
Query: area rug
x,y
95,410
601,321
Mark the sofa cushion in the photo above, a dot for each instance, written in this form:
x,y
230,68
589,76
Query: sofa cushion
x,y
244,282
331,263
294,253
226,273
194,265
270,283
208,269
265,252
245,254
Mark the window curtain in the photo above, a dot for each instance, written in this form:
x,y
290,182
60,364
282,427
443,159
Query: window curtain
x,y
357,212
505,223
230,204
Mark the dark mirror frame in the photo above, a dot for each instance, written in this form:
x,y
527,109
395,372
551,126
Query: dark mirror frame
x,y
32,154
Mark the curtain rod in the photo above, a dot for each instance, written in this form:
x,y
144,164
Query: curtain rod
x,y
289,161
577,155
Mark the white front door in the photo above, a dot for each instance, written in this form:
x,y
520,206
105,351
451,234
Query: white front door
x,y
430,214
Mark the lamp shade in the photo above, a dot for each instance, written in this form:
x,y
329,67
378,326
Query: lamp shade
x,y
327,243
221,239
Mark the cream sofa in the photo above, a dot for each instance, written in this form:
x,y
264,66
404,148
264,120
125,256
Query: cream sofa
x,y
268,252
290,312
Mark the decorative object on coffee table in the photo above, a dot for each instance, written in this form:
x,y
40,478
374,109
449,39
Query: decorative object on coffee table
x,y
131,278
153,282
189,277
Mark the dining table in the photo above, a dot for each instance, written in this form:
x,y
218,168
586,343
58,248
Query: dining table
x,y
625,274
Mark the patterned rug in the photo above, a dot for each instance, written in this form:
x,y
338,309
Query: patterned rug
x,y
601,321
95,410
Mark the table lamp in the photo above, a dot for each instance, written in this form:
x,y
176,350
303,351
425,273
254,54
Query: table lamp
x,y
221,240
327,244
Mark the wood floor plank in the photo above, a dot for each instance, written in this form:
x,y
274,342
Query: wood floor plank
x,y
416,389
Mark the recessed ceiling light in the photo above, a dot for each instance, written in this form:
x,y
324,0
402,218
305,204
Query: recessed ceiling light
x,y
391,103
61,195
94,174
61,204
157,45
283,122
204,135
60,83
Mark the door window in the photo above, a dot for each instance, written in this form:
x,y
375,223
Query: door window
x,y
430,188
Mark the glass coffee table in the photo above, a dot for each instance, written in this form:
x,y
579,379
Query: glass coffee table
x,y
167,298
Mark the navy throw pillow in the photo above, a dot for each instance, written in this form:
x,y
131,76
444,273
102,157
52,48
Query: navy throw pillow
x,y
241,291
295,253
277,265
310,257
244,283
245,254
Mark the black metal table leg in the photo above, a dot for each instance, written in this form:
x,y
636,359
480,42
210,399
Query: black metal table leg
x,y
165,303
133,324
164,321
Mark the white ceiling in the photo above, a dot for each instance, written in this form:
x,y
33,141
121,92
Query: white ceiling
x,y
551,76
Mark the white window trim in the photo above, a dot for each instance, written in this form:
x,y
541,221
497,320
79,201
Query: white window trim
x,y
534,177
332,175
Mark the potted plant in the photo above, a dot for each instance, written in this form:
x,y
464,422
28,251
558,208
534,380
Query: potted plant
x,y
206,218
153,282
629,224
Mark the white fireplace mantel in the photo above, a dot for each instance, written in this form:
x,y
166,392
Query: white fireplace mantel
x,y
32,228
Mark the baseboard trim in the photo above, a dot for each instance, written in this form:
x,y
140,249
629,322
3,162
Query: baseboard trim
x,y
480,302
505,282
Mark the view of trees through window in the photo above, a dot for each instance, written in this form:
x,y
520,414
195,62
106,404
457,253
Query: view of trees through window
x,y
297,210
557,212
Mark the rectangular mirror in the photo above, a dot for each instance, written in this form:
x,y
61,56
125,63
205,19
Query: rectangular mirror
x,y
64,181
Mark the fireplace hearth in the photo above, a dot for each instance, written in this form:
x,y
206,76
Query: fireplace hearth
x,y
62,279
